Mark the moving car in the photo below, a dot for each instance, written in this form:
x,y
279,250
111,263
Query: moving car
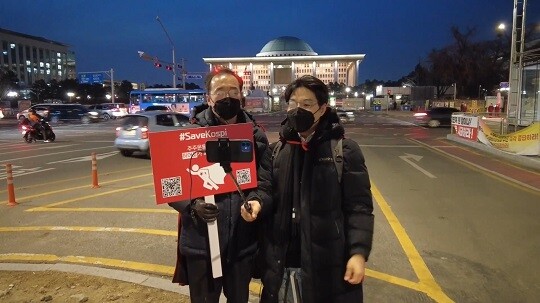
x,y
345,116
106,111
132,136
158,107
61,112
435,117
116,110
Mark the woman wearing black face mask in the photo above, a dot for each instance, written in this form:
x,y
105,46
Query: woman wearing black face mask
x,y
321,231
237,228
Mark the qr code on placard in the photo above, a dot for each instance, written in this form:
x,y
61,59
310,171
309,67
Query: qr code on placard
x,y
171,187
243,176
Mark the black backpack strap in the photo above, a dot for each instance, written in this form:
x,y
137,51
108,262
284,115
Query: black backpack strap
x,y
337,154
276,148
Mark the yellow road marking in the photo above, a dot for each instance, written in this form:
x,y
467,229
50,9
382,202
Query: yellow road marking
x,y
89,196
81,178
77,187
105,209
157,232
136,266
427,283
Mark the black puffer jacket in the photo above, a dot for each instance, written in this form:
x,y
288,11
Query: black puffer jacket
x,y
336,219
237,238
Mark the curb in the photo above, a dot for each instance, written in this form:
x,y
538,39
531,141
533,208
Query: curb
x,y
530,162
114,274
119,275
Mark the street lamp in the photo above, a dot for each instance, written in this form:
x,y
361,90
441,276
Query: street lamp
x,y
70,95
173,56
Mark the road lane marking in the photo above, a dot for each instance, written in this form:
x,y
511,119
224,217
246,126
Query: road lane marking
x,y
103,209
86,158
148,231
407,158
40,208
427,283
493,174
136,266
35,147
85,177
23,173
77,187
56,153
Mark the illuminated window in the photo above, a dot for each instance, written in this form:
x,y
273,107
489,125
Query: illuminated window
x,y
41,64
12,45
27,62
59,60
58,55
47,65
59,66
48,72
59,73
28,69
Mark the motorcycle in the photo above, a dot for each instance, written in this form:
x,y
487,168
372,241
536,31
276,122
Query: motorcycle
x,y
31,133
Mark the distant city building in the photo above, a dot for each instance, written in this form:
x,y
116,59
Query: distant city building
x,y
284,59
34,58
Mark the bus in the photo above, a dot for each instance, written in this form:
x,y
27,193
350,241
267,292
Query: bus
x,y
179,100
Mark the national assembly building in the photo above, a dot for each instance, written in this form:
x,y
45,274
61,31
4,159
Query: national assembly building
x,y
284,59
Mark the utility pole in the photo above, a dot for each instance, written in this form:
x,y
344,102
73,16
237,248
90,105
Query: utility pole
x,y
183,74
112,85
173,55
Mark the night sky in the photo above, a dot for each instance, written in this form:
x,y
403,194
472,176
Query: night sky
x,y
394,34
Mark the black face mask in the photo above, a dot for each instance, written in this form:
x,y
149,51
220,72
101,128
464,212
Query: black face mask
x,y
227,108
301,119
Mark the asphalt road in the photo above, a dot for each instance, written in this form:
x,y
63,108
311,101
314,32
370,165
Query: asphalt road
x,y
445,230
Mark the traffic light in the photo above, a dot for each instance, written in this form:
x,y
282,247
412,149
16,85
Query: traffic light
x,y
157,64
168,67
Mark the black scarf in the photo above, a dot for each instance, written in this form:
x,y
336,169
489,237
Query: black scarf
x,y
299,163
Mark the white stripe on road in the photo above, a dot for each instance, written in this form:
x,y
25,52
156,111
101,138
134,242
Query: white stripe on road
x,y
57,153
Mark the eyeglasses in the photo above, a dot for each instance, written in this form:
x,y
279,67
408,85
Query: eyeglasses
x,y
222,93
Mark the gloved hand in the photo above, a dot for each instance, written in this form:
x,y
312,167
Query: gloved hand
x,y
206,211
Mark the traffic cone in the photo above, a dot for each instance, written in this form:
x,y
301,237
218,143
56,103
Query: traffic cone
x,y
10,186
94,172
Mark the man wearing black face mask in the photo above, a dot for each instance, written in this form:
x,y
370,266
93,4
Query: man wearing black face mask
x,y
321,232
237,228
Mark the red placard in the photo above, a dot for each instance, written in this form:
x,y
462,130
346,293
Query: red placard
x,y
469,133
181,171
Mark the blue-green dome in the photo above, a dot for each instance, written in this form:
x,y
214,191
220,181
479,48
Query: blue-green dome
x,y
286,46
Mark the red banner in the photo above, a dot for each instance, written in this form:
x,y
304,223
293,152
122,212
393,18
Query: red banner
x,y
469,133
181,171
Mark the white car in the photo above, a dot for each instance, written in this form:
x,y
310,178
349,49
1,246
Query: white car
x,y
132,136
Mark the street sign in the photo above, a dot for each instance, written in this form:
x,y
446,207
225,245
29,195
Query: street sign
x,y
504,85
90,78
191,76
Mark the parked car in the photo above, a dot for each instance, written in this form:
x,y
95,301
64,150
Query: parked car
x,y
61,112
345,116
132,136
117,110
435,117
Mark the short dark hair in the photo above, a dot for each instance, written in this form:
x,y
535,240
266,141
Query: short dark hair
x,y
218,70
312,83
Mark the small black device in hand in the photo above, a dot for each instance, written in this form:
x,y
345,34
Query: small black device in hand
x,y
225,151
